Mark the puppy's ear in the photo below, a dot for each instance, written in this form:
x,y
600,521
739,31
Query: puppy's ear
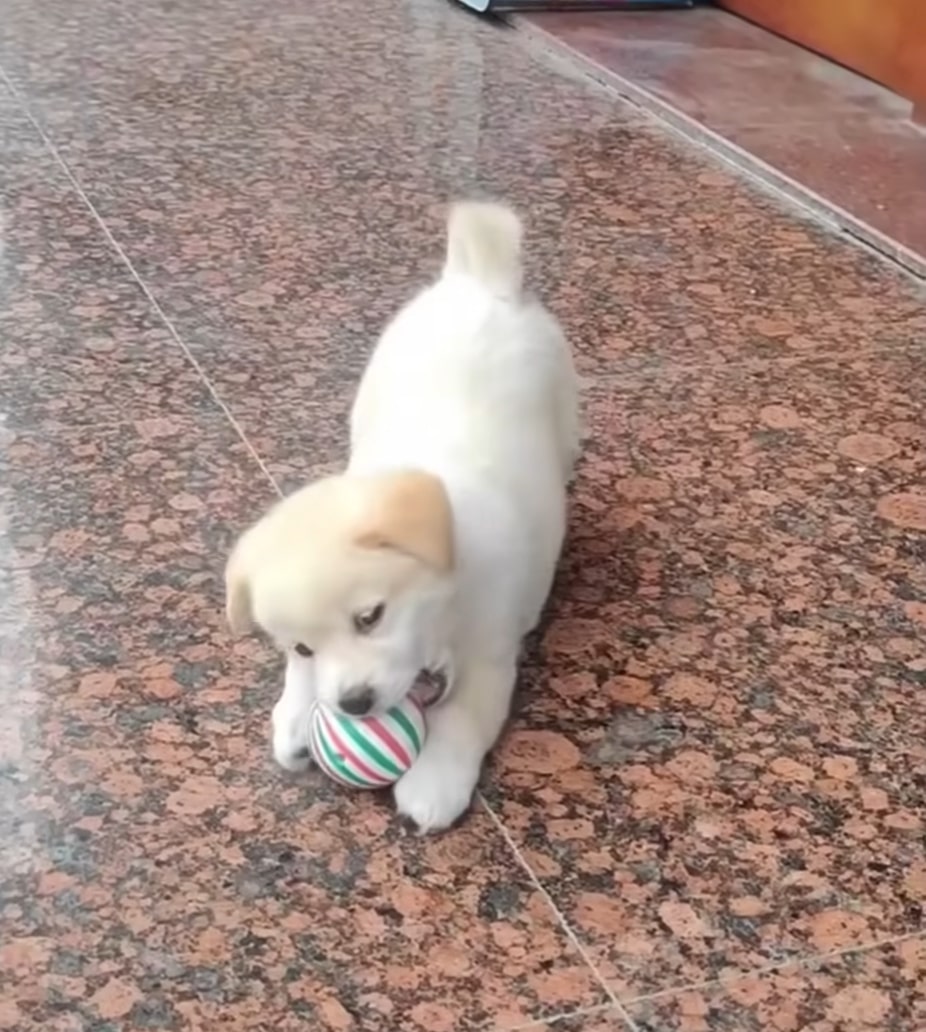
x,y
410,512
238,592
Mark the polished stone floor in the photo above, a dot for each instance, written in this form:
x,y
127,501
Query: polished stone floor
x,y
708,812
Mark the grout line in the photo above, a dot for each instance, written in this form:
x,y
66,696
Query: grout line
x,y
133,272
564,924
760,173
794,964
552,1019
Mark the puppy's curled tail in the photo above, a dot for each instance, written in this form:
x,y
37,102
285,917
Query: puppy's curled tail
x,y
484,242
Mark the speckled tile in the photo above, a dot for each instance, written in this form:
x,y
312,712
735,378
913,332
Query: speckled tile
x,y
80,343
719,752
157,870
277,177
881,989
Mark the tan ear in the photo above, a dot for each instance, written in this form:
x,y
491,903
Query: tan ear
x,y
238,593
410,512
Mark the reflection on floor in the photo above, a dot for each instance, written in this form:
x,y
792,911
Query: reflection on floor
x,y
816,130
707,814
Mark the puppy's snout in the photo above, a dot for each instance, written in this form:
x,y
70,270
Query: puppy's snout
x,y
358,701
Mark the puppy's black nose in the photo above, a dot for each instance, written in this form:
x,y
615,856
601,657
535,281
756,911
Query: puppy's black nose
x,y
358,701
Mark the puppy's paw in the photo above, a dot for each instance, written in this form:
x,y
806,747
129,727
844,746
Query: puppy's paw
x,y
436,791
295,761
291,739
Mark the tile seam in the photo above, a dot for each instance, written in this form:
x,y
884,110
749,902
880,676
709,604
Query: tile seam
x,y
792,964
571,934
552,1019
128,265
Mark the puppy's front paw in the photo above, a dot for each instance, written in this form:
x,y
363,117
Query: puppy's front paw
x,y
291,739
436,791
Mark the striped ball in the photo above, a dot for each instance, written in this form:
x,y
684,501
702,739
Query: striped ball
x,y
367,752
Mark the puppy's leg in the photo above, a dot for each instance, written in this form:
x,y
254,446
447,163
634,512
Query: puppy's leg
x,y
440,785
568,415
290,717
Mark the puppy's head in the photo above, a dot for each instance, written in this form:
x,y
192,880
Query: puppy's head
x,y
355,574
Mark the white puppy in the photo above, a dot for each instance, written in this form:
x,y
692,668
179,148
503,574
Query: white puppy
x,y
436,548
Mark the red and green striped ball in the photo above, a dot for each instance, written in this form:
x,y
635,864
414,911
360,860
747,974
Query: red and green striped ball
x,y
367,752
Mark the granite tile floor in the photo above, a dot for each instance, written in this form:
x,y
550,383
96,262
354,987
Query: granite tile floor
x,y
708,811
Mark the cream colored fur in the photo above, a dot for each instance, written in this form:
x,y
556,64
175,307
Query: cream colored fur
x,y
450,515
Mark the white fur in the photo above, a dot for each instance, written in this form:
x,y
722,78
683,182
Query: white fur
x,y
474,384
292,714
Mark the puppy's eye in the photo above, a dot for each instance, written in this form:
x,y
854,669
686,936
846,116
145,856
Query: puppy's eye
x,y
302,650
365,622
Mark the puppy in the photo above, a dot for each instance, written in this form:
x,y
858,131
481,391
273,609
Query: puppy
x,y
435,550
